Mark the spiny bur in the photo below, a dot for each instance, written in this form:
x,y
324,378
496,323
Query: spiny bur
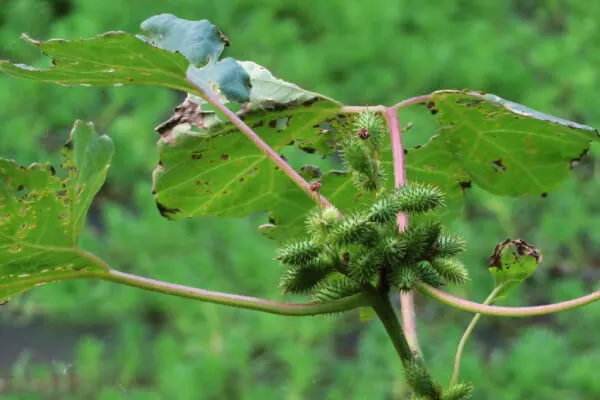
x,y
299,253
449,245
303,280
419,380
335,288
427,274
418,198
458,391
451,270
354,229
373,124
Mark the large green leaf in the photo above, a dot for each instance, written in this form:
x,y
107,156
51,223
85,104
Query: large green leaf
x,y
42,212
208,167
120,58
504,147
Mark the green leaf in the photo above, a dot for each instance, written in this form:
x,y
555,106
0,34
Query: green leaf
x,y
504,147
42,212
513,261
208,167
162,59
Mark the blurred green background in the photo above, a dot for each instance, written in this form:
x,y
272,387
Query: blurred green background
x,y
95,340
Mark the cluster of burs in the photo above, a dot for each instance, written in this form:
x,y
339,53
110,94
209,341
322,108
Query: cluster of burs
x,y
342,255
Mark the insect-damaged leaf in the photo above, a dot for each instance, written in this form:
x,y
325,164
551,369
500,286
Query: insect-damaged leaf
x,y
208,167
504,147
42,213
120,58
513,261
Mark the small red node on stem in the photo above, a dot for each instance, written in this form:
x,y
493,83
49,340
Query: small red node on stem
x,y
363,133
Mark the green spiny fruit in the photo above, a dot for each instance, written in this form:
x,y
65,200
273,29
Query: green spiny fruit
x,y
427,274
451,270
449,245
354,229
374,125
392,249
300,253
356,156
384,210
301,280
404,278
415,238
320,221
458,391
363,267
334,288
418,198
418,378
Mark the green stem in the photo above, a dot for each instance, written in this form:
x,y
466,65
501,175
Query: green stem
x,y
468,331
385,311
101,270
233,300
498,311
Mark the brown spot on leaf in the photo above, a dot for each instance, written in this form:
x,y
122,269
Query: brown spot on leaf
x,y
167,212
307,148
545,194
224,156
465,185
498,165
196,155
521,247
431,107
310,102
273,123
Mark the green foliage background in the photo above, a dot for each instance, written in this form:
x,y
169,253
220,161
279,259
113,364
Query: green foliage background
x,y
77,340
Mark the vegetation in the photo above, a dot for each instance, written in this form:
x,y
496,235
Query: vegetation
x,y
110,238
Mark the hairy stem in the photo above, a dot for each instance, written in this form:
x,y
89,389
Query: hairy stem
x,y
500,311
380,302
468,331
266,149
406,298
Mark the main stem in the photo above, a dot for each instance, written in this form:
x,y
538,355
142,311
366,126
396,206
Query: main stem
x,y
380,302
406,298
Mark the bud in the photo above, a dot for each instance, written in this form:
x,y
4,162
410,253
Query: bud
x,y
315,186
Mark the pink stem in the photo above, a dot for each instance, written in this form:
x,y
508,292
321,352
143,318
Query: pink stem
x,y
407,309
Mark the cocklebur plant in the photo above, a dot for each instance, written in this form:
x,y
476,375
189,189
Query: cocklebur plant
x,y
231,150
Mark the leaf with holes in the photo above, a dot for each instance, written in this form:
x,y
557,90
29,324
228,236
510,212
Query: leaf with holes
x,y
504,147
177,54
513,261
42,212
208,167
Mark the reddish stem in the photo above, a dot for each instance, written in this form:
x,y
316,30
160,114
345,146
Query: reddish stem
x,y
407,309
